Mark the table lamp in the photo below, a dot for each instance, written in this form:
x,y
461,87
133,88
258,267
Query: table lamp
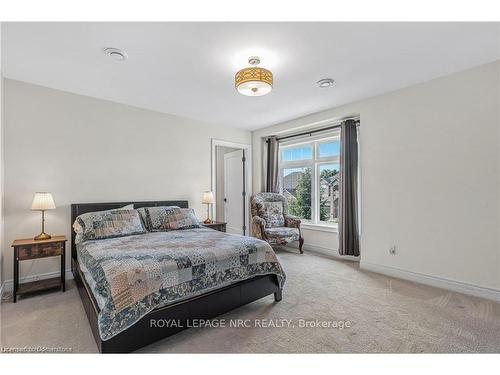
x,y
41,202
208,199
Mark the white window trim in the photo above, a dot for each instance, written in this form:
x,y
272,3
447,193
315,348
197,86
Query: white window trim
x,y
314,164
331,228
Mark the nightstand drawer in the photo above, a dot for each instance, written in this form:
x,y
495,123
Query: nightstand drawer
x,y
40,251
220,227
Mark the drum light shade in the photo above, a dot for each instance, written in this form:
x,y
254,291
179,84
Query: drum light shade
x,y
254,81
43,201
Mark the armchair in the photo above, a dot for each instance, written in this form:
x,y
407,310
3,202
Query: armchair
x,y
271,221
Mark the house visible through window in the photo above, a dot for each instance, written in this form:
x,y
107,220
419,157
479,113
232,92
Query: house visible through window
x,y
309,173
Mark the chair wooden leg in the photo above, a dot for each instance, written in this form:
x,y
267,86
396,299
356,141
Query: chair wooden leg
x,y
301,243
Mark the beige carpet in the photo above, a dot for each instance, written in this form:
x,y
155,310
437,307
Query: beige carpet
x,y
386,315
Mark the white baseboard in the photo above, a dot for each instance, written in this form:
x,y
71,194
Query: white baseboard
x,y
455,286
8,284
332,253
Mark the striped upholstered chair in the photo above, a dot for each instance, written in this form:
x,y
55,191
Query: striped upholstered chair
x,y
271,221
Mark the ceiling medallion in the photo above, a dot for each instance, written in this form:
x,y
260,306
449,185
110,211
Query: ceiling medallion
x,y
254,81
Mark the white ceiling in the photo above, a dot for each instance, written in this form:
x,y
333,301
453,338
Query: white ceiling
x,y
187,69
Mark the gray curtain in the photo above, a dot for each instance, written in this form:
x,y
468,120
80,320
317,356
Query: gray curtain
x,y
348,189
272,170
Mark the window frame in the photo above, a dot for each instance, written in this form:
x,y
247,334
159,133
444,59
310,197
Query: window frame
x,y
314,163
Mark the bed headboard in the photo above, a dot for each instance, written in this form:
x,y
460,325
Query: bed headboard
x,y
82,208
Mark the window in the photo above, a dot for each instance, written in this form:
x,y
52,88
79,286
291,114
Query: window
x,y
309,173
297,188
329,193
297,153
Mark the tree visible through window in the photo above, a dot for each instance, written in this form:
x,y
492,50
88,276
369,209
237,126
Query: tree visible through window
x,y
299,199
309,179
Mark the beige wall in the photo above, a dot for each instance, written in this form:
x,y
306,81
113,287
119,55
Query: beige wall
x,y
430,177
89,150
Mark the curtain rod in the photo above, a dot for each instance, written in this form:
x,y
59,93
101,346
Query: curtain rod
x,y
311,132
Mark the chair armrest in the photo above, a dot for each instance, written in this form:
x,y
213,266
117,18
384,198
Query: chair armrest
x,y
292,221
258,225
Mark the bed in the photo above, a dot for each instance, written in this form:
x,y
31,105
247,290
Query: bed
x,y
130,321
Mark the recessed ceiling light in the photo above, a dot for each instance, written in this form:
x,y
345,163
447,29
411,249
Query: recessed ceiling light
x,y
325,82
116,54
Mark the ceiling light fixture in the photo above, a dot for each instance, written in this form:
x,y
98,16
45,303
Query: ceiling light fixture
x,y
254,81
116,54
325,82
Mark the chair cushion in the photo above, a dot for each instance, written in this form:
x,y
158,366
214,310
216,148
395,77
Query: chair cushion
x,y
272,213
282,235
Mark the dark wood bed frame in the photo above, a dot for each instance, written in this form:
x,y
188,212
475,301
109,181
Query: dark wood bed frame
x,y
205,306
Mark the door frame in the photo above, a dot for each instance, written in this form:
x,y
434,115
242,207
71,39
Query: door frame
x,y
236,156
248,175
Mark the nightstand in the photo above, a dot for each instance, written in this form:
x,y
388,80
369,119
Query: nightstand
x,y
29,249
217,225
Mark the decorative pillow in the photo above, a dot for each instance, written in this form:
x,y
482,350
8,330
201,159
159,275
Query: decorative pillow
x,y
165,218
107,224
272,213
142,214
76,224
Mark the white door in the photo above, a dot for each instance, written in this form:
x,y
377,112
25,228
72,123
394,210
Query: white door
x,y
233,191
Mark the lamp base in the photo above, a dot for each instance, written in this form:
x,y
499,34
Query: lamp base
x,y
42,236
208,221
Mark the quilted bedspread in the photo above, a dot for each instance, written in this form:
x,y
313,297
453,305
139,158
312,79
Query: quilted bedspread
x,y
131,276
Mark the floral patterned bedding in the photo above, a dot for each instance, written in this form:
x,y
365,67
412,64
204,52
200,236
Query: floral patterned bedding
x,y
131,276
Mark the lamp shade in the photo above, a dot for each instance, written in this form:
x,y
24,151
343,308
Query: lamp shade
x,y
254,81
43,201
208,197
